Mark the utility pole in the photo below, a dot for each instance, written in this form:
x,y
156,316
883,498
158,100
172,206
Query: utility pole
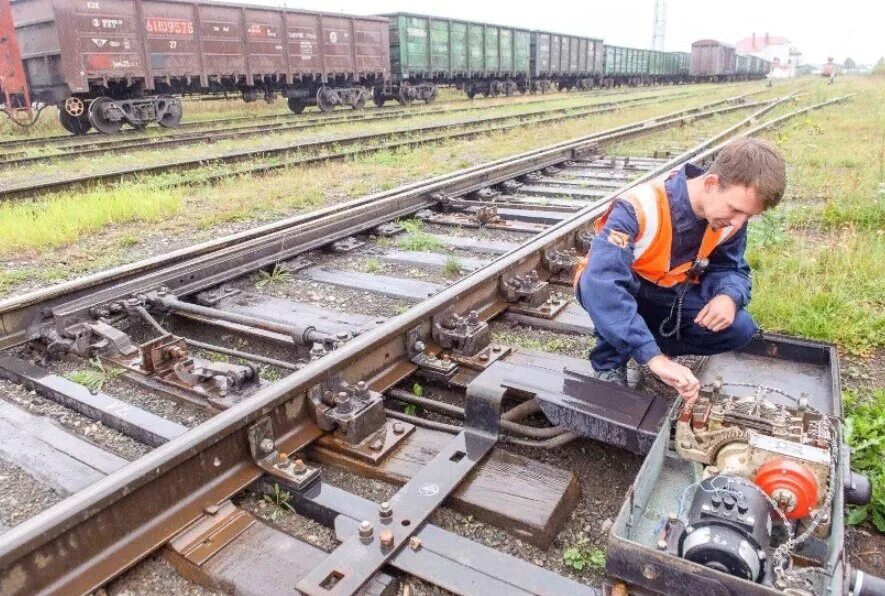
x,y
660,25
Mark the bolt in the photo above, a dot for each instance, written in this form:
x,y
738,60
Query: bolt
x,y
398,428
761,554
672,516
376,445
750,520
484,357
299,466
282,461
497,348
419,345
385,511
366,530
361,386
342,402
686,444
266,445
662,544
689,529
414,543
386,537
342,335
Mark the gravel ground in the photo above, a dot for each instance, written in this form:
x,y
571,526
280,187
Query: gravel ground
x,y
22,497
154,576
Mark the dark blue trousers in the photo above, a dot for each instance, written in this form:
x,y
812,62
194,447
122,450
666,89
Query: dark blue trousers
x,y
654,304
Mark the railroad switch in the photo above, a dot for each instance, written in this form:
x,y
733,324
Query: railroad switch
x,y
262,444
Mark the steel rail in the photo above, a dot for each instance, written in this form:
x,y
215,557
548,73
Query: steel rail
x,y
121,518
19,312
150,144
27,142
91,145
449,131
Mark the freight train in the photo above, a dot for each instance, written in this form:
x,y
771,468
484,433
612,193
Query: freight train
x,y
110,63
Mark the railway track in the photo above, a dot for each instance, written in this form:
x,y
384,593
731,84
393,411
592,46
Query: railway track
x,y
512,226
103,144
282,119
311,151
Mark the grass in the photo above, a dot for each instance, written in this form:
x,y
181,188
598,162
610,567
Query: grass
x,y
582,556
416,238
95,377
372,266
280,499
278,275
68,218
819,260
452,266
865,433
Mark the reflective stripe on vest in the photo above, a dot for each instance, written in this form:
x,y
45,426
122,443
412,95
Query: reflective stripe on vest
x,y
654,240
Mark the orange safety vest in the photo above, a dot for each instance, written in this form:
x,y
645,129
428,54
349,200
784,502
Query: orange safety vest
x,y
652,247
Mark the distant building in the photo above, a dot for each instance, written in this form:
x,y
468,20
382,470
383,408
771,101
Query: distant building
x,y
783,56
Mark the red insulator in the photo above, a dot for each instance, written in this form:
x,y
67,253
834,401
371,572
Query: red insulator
x,y
787,480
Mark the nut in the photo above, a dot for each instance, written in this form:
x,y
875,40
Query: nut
x,y
299,466
386,538
385,511
266,445
662,544
366,529
414,543
398,428
376,445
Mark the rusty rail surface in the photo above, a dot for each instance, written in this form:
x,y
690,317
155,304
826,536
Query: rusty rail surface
x,y
122,518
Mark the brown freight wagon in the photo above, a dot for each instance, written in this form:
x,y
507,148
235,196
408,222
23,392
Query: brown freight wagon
x,y
712,60
110,62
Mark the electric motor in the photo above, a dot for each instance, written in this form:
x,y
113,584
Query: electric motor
x,y
728,528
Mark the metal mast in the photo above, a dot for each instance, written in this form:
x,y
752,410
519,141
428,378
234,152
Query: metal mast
x,y
660,25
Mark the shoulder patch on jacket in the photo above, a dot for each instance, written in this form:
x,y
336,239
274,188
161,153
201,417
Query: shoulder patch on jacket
x,y
619,239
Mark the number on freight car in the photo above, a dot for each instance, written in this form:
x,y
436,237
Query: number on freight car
x,y
169,26
93,6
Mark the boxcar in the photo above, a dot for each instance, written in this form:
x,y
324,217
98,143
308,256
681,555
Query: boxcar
x,y
426,51
712,60
566,61
110,62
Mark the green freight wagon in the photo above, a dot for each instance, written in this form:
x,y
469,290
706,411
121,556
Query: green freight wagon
x,y
566,61
427,51
634,66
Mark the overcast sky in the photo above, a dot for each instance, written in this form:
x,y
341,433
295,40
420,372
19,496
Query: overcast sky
x,y
818,29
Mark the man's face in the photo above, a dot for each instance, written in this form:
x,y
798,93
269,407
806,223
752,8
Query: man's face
x,y
732,206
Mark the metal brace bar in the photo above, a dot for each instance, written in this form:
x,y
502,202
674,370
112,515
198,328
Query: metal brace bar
x,y
389,528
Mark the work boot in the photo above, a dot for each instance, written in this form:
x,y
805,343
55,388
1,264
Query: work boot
x,y
615,375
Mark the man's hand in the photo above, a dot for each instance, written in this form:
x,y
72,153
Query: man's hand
x,y
676,376
718,314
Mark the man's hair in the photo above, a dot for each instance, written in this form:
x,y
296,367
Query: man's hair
x,y
753,163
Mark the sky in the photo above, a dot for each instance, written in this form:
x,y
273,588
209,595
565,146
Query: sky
x,y
843,28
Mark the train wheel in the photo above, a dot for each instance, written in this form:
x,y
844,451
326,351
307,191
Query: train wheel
x,y
78,125
378,97
470,91
431,97
405,95
172,117
99,118
325,99
359,102
296,105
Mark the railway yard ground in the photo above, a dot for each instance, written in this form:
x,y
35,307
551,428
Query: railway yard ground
x,y
818,262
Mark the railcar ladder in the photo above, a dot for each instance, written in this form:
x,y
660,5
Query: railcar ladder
x,y
13,84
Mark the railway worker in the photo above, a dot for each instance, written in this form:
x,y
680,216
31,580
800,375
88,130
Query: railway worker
x,y
666,274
